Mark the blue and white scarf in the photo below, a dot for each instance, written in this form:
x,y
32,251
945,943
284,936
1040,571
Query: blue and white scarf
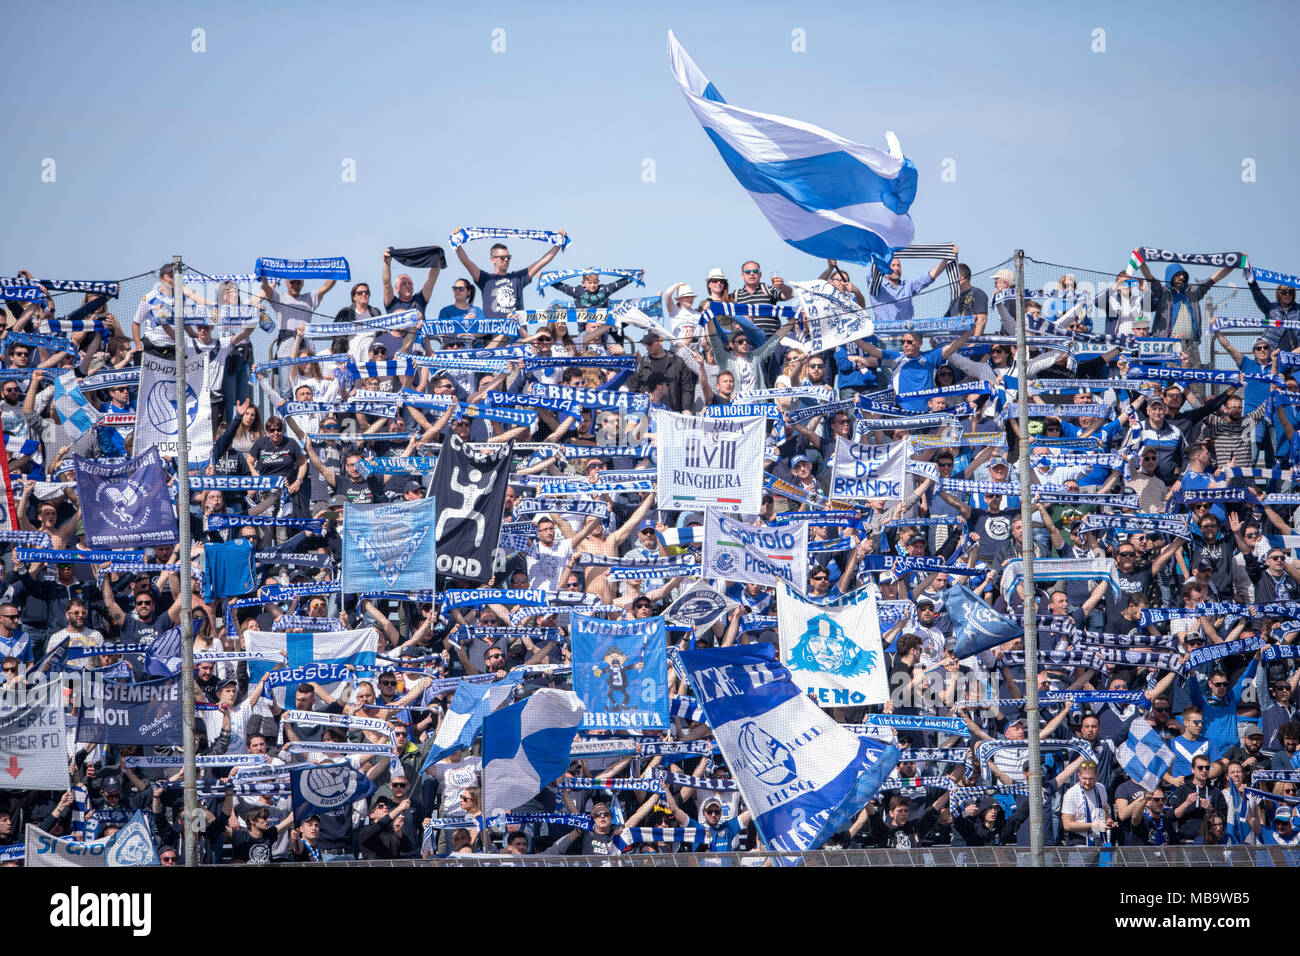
x,y
329,268
736,410
965,388
93,286
302,622
904,565
22,293
897,328
924,722
74,326
51,343
217,522
32,539
1219,325
1280,652
908,422
1058,495
1217,494
753,310
1062,386
966,439
470,233
648,785
795,416
236,482
76,556
671,778
473,323
1212,652
261,367
414,465
404,319
1176,525
563,275
968,486
1012,410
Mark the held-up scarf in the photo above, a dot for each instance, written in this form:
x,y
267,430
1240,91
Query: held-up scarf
x,y
51,343
753,309
943,725
1059,386
1057,495
261,367
1279,652
93,286
671,778
1091,660
768,410
35,539
1275,776
217,522
394,320
1175,525
470,233
1125,657
1012,410
1219,325
1233,260
414,465
818,393
1160,373
906,422
1104,459
897,328
903,565
302,622
968,486
110,379
1217,494
329,268
966,388
562,275
321,719
1242,645
650,785
1166,642
57,556
315,747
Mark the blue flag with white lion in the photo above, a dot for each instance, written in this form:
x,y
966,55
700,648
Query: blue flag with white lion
x,y
620,670
389,547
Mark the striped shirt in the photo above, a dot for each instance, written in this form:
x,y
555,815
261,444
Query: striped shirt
x,y
1229,440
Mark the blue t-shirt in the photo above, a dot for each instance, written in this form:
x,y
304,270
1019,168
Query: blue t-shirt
x,y
722,838
228,569
914,375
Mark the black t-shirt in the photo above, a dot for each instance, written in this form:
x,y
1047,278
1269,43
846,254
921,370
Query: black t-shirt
x,y
971,302
366,491
502,295
1139,582
249,849
995,534
279,459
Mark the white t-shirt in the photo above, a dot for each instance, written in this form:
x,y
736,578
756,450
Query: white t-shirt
x,y
455,778
1086,805
544,570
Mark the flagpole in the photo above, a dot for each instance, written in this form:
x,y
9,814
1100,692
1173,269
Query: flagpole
x,y
1035,776
192,823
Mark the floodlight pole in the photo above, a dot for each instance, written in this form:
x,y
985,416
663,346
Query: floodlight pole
x,y
1034,779
192,824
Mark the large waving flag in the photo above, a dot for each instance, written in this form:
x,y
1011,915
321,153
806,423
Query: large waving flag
x,y
977,626
470,705
526,746
329,659
823,194
803,775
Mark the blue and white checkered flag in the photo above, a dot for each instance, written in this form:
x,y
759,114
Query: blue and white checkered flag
x,y
526,746
72,405
1144,756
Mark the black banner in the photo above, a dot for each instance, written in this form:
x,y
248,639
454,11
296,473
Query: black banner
x,y
470,488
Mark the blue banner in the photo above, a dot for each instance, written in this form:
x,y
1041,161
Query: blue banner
x,y
145,714
389,546
126,503
620,670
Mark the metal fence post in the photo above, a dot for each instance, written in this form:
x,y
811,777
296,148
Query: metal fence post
x,y
192,823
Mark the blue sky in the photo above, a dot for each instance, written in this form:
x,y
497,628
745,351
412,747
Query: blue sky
x,y
236,152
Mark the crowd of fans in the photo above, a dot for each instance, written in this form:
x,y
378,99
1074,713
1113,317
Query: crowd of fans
x,y
1223,720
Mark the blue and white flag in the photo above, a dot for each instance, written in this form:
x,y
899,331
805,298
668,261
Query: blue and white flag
x,y
389,546
320,789
133,844
469,707
526,746
802,775
977,626
823,194
1144,756
620,670
328,658
125,503
71,405
833,648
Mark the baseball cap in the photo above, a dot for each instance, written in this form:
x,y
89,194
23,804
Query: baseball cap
x,y
413,484
711,802
798,460
888,578
998,460
647,523
1282,815
1155,400
925,599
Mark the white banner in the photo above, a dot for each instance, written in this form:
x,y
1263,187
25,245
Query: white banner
x,y
765,554
46,849
32,739
869,471
709,462
830,318
834,650
155,418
